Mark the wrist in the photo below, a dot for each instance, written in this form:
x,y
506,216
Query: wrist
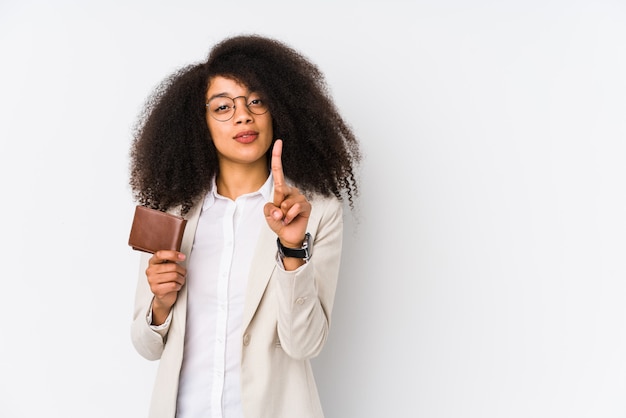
x,y
291,244
301,251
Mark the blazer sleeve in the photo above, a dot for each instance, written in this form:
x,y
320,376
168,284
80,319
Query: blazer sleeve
x,y
306,295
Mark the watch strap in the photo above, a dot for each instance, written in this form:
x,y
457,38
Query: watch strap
x,y
304,252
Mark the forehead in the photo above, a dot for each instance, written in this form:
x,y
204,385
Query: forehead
x,y
223,85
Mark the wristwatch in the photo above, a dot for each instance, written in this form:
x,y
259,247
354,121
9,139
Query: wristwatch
x,y
304,252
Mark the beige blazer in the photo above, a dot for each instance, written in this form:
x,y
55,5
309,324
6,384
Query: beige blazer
x,y
285,323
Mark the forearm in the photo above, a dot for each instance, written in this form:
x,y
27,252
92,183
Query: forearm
x,y
302,322
306,295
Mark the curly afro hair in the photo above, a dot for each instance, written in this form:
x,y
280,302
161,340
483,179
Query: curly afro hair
x,y
173,159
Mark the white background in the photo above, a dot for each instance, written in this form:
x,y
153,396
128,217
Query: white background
x,y
484,272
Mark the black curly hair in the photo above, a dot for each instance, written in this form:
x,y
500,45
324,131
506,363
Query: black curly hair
x,y
173,159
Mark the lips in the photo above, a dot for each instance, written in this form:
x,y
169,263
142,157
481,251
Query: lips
x,y
246,137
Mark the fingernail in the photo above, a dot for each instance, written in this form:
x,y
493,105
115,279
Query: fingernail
x,y
276,214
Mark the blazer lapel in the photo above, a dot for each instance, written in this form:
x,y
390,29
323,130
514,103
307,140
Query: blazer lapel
x,y
262,267
190,229
187,244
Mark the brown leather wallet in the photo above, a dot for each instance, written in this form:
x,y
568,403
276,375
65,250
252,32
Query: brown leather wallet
x,y
153,230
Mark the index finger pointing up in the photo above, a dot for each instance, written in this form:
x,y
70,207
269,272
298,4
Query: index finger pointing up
x,y
280,188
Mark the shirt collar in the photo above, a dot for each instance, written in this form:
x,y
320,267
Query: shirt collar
x,y
265,191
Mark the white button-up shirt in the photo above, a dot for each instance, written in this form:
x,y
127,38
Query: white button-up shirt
x,y
217,275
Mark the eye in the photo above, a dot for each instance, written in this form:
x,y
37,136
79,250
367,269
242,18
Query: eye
x,y
221,105
256,103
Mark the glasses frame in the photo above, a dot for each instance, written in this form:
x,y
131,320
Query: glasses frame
x,y
234,107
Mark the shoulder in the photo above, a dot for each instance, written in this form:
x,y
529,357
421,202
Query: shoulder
x,y
325,208
326,202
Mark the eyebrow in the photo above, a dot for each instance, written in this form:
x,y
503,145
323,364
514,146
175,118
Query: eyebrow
x,y
225,94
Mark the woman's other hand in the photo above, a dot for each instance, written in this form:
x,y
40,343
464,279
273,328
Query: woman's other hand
x,y
166,277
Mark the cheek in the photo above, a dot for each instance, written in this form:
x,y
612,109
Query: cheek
x,y
214,128
269,128
209,125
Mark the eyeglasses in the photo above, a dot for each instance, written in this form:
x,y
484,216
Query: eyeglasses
x,y
222,108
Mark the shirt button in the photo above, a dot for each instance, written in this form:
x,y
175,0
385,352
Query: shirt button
x,y
300,301
246,339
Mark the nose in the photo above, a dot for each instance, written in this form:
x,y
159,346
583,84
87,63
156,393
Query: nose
x,y
242,114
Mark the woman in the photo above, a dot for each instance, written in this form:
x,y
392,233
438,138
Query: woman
x,y
248,147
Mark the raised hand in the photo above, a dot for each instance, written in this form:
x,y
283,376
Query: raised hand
x,y
288,215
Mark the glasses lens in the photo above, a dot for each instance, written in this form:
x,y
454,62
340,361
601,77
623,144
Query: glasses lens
x,y
256,105
222,108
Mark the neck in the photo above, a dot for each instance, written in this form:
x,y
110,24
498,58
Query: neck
x,y
234,181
